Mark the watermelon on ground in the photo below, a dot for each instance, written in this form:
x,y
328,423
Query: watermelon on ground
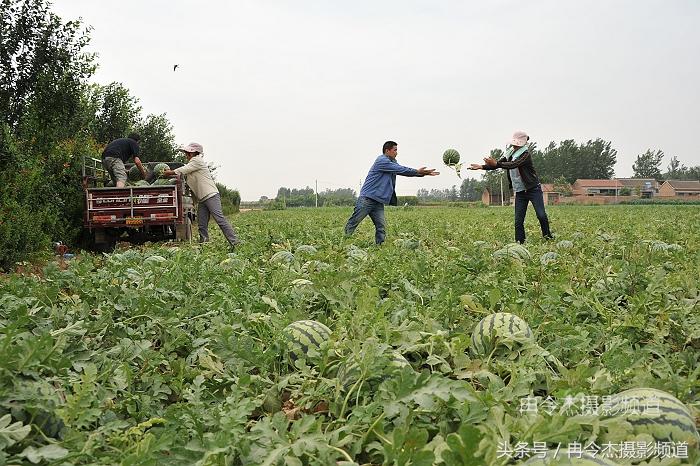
x,y
349,372
500,329
648,414
304,338
513,250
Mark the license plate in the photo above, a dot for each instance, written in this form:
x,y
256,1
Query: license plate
x,y
134,221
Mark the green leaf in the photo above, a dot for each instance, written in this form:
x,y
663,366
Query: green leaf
x,y
47,452
11,433
463,445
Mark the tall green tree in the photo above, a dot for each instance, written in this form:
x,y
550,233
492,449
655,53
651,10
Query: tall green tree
x,y
470,190
594,159
43,75
648,164
157,139
42,62
117,112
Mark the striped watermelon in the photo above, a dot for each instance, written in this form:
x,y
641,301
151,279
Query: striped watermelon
x,y
282,257
496,330
304,338
350,372
164,181
160,168
514,250
647,413
450,157
549,257
134,174
561,458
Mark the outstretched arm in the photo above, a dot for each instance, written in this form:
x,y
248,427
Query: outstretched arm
x,y
397,169
138,163
490,165
504,163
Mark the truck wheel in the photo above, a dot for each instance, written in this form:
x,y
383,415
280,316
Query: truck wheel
x,y
103,241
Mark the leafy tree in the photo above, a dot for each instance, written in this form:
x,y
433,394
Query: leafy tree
x,y
674,169
648,164
117,112
43,74
41,61
453,194
677,171
470,190
594,159
157,139
337,197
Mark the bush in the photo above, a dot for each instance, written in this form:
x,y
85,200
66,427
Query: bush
x,y
41,195
661,202
230,199
274,205
410,200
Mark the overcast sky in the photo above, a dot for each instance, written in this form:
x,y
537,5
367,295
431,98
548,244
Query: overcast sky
x,y
284,93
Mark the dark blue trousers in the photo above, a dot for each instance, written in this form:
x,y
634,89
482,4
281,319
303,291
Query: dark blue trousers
x,y
522,198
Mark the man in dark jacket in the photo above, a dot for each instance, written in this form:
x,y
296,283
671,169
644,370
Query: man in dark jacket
x,y
379,188
522,178
117,153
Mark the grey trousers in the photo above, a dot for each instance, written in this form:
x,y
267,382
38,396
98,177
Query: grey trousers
x,y
212,206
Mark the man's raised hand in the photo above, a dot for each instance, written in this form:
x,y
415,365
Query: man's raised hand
x,y
427,171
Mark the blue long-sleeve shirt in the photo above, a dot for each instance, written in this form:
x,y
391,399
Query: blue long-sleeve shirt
x,y
380,183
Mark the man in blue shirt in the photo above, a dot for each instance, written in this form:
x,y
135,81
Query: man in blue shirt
x,y
379,188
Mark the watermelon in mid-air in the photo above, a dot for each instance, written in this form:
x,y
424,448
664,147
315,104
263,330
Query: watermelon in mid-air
x,y
450,157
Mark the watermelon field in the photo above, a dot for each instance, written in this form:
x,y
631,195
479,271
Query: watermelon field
x,y
445,346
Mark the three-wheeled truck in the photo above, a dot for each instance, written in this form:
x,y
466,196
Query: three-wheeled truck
x,y
134,213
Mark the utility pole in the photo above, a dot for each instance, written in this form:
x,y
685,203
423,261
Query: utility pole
x,y
502,204
316,193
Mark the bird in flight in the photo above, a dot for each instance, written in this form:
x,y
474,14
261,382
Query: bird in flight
x,y
175,67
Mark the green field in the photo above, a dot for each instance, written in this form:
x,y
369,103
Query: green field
x,y
175,354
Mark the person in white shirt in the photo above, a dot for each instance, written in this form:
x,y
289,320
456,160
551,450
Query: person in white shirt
x,y
205,192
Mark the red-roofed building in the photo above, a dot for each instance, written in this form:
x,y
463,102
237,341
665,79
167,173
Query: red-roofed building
x,y
677,188
585,187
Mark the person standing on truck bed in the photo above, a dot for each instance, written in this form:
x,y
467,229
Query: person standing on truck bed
x,y
117,153
205,192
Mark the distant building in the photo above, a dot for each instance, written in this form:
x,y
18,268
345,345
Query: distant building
x,y
551,194
677,188
587,187
494,198
645,187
